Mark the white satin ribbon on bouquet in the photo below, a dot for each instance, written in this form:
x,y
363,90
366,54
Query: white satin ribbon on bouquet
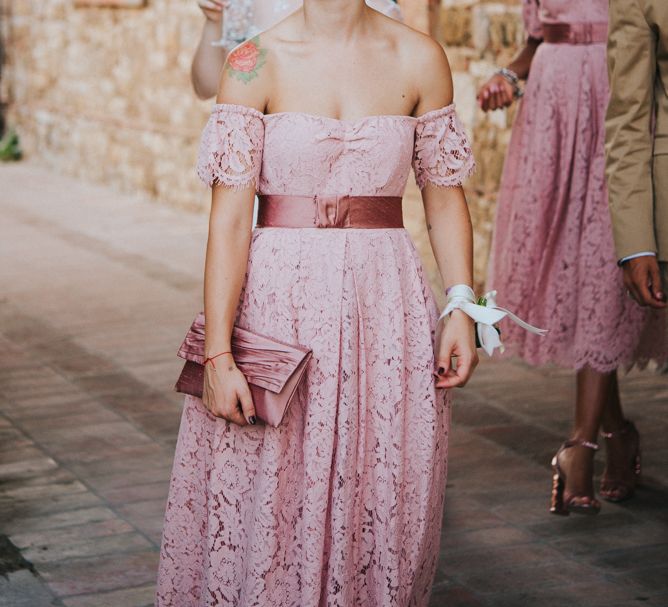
x,y
462,297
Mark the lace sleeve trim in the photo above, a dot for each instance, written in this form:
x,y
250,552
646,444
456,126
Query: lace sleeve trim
x,y
230,151
443,154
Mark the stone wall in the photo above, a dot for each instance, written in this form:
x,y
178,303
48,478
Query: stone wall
x,y
104,94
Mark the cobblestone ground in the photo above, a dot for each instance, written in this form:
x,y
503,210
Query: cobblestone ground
x,y
97,290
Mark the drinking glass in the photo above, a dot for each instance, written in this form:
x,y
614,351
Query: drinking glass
x,y
237,19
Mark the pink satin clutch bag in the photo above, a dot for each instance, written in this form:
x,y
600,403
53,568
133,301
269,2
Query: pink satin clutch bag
x,y
273,369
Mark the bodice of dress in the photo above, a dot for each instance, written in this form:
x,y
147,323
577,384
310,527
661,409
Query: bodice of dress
x,y
307,154
294,153
536,12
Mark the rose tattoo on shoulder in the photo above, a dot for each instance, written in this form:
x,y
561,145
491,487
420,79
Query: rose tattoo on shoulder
x,y
244,61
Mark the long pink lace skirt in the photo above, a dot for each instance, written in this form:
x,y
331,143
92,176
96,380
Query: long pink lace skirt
x,y
342,504
553,260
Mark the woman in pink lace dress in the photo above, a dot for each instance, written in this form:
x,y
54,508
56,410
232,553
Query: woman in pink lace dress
x,y
341,504
553,257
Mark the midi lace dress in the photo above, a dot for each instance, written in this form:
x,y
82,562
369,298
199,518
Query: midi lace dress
x,y
340,505
553,260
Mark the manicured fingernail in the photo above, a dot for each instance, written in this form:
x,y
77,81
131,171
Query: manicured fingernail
x,y
252,420
441,370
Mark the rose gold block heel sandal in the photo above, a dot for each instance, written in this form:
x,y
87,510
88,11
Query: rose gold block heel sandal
x,y
563,503
617,489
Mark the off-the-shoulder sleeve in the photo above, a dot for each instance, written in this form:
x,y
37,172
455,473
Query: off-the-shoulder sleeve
x,y
442,154
530,14
230,151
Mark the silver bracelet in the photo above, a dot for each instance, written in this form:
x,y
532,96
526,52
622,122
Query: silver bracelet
x,y
513,79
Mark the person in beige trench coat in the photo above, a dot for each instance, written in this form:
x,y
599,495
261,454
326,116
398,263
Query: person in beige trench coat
x,y
637,145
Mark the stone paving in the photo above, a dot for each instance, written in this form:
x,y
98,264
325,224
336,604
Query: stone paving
x,y
97,290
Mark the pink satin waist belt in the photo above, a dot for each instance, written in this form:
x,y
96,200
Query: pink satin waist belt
x,y
575,33
279,211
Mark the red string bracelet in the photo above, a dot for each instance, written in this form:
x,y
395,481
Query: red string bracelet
x,y
210,359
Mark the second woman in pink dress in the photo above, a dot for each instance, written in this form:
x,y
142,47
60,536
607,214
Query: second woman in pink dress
x,y
553,256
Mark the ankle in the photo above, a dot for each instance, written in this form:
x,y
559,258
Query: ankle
x,y
573,455
617,430
584,432
584,440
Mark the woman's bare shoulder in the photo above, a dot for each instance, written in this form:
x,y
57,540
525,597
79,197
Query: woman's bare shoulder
x,y
425,63
421,50
246,78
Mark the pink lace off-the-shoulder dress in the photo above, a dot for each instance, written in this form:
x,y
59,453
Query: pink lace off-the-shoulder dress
x,y
340,505
553,259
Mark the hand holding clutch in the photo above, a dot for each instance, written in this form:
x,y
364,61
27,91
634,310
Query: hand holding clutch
x,y
226,392
273,369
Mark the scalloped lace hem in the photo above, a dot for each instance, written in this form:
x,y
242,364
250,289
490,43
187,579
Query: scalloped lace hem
x,y
452,181
213,180
590,359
